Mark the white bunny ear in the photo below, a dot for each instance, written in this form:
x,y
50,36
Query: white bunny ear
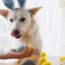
x,y
9,3
21,3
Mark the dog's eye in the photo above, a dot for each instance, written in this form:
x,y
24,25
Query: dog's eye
x,y
22,19
11,20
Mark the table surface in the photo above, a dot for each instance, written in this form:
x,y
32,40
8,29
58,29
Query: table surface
x,y
54,61
8,62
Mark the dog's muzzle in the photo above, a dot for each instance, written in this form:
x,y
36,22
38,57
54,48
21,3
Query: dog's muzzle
x,y
16,34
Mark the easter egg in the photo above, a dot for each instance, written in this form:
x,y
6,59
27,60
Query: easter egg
x,y
42,54
62,58
46,63
42,59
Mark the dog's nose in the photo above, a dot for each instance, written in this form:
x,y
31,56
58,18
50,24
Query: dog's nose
x,y
15,33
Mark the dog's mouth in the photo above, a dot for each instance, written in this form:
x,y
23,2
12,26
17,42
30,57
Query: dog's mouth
x,y
18,36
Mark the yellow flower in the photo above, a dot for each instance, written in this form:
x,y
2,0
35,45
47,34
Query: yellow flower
x,y
42,54
62,58
46,63
42,59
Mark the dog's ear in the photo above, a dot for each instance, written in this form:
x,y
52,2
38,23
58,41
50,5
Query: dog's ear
x,y
3,12
33,11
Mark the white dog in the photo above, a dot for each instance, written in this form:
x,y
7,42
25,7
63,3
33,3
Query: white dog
x,y
23,26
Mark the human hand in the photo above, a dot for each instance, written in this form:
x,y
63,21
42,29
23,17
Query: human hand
x,y
26,52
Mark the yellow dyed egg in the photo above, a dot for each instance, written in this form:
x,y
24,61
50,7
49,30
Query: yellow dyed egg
x,y
42,54
46,63
62,58
42,59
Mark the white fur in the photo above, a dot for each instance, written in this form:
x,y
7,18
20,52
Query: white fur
x,y
29,25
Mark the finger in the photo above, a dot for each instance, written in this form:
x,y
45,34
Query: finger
x,y
32,51
29,52
25,50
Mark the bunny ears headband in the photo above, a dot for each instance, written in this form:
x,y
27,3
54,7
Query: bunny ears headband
x,y
10,3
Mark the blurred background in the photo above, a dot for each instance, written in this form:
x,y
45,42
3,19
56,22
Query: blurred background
x,y
51,20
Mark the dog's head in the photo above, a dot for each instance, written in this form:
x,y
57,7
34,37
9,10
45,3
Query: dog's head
x,y
19,20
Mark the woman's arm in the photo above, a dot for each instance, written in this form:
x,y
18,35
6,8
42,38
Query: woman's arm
x,y
18,55
10,55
